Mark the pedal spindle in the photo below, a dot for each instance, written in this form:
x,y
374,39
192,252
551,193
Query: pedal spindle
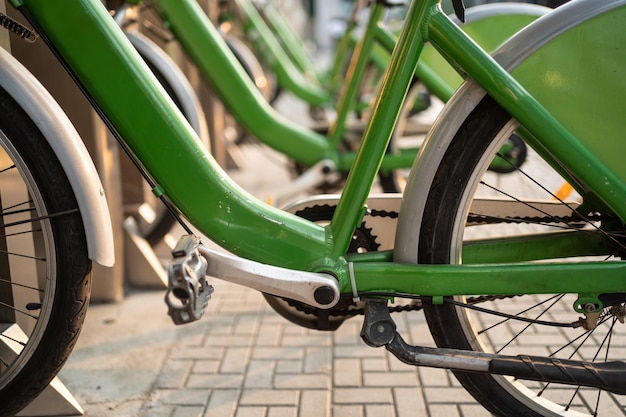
x,y
188,292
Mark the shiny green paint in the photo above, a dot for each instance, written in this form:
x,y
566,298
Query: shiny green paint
x,y
583,63
512,96
304,146
335,75
444,280
157,133
287,73
535,247
218,65
379,128
289,39
488,32
355,73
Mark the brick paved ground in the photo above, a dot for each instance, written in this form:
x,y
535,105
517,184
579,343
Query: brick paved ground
x,y
243,360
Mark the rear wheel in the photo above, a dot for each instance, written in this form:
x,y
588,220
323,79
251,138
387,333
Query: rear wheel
x,y
45,273
453,219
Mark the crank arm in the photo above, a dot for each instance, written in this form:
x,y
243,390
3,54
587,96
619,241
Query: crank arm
x,y
379,329
315,289
188,292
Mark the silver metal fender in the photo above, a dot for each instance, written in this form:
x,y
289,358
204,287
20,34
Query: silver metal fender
x,y
184,93
69,148
509,55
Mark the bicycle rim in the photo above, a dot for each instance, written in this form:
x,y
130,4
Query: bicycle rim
x,y
449,226
44,267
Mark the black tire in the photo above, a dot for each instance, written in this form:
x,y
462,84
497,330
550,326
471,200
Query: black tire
x,y
46,272
443,231
410,132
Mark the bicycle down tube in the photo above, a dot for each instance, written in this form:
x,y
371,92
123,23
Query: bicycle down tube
x,y
190,178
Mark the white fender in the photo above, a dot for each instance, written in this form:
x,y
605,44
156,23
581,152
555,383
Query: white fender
x,y
183,91
35,100
509,55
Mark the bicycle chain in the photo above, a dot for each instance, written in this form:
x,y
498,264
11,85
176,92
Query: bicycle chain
x,y
472,219
17,28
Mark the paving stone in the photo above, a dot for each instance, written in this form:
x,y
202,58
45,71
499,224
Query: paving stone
x,y
318,360
360,351
443,410
314,403
269,334
434,377
269,397
444,395
395,365
251,412
205,366
188,411
390,379
474,410
246,325
149,411
216,381
348,411
186,397
273,353
222,403
282,412
374,365
259,374
228,340
409,402
362,396
302,381
379,410
288,367
197,352
235,360
174,374
347,372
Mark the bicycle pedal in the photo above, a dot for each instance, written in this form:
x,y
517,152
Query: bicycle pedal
x,y
188,292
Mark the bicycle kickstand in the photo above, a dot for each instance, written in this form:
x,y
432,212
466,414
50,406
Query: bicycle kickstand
x,y
379,329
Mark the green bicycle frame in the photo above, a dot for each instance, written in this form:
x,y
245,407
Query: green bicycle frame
x,y
189,177
282,64
304,145
307,147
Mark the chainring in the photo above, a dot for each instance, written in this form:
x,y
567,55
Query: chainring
x,y
330,319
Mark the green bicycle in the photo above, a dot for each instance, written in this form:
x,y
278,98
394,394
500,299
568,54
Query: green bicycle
x,y
488,299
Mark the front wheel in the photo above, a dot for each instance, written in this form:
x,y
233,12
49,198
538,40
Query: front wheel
x,y
456,218
45,273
